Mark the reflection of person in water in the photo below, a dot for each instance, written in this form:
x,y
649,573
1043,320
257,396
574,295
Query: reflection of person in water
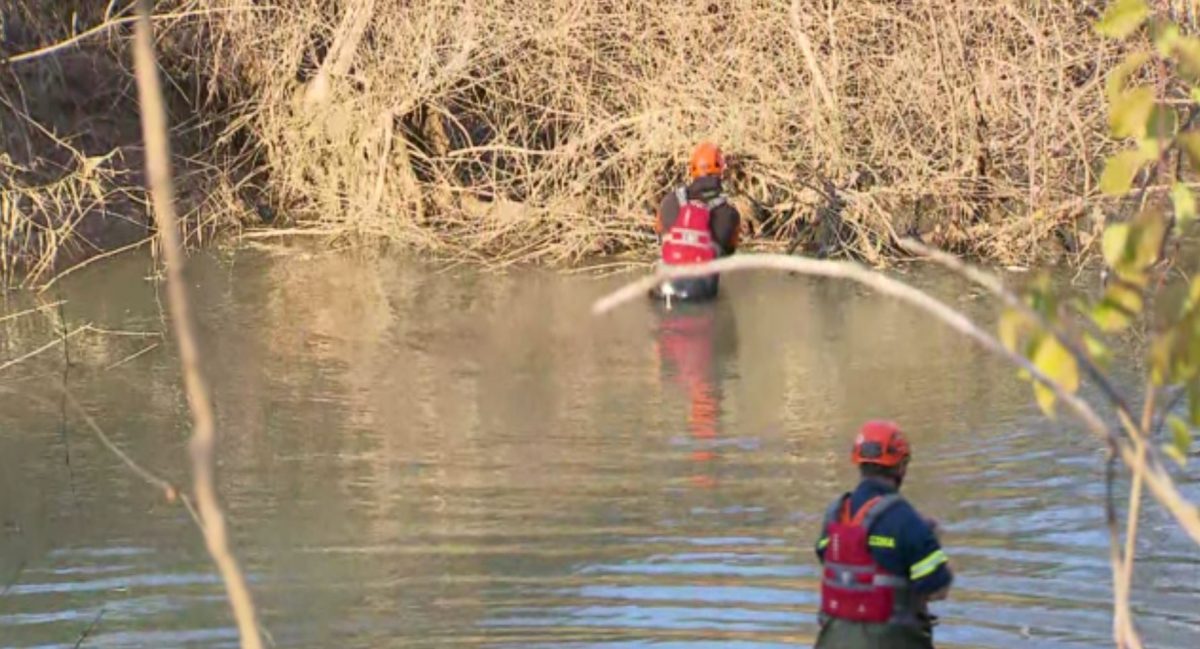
x,y
691,341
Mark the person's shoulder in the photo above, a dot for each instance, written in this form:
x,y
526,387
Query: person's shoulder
x,y
668,206
902,514
670,198
725,203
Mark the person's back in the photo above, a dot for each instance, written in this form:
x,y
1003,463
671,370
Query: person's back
x,y
696,223
882,561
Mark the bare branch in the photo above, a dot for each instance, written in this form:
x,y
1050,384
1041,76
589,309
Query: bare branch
x,y
36,309
114,23
90,628
50,345
1157,479
203,443
1124,631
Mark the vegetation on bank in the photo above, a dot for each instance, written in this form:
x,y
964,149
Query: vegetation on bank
x,y
544,131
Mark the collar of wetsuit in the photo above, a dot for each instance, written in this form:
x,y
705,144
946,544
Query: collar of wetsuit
x,y
877,487
705,187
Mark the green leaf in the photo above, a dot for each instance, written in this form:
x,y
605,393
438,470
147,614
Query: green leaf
x,y
1010,325
1130,112
1115,244
1165,38
1187,52
1170,451
1120,170
1057,364
1194,93
1114,86
1160,359
1097,350
1181,440
1185,361
1149,229
1189,142
1117,309
1110,318
1161,125
1184,202
1193,293
1193,389
1122,18
1040,295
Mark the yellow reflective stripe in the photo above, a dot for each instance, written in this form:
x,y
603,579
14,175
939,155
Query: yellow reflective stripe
x,y
881,542
926,566
822,543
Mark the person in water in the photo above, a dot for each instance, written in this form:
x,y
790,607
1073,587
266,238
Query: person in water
x,y
696,223
882,561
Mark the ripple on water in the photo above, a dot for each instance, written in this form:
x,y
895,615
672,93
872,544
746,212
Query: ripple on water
x,y
413,458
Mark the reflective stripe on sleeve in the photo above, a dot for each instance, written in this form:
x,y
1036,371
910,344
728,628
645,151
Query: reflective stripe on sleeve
x,y
926,566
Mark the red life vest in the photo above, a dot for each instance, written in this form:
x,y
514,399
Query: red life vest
x,y
853,586
689,240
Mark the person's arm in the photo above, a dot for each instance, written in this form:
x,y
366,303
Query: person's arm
x,y
668,211
928,566
726,227
819,546
939,594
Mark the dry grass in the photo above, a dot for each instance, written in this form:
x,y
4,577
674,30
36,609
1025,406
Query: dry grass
x,y
71,182
541,130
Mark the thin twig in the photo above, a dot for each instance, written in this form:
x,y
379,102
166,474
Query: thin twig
x,y
289,232
169,491
1172,403
810,58
203,443
1122,563
135,355
88,631
90,260
113,24
123,332
50,345
44,307
1123,588
62,405
14,579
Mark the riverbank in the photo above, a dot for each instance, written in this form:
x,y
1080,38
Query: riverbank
x,y
545,132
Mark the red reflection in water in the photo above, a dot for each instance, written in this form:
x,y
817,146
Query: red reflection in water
x,y
686,345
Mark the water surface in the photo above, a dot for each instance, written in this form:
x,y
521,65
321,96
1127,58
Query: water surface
x,y
422,458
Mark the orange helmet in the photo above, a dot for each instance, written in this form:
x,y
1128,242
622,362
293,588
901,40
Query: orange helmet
x,y
707,160
880,442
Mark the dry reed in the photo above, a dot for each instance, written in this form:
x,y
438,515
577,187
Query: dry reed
x,y
542,130
545,131
71,187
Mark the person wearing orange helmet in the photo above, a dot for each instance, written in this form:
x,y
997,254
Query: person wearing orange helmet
x,y
696,223
882,562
